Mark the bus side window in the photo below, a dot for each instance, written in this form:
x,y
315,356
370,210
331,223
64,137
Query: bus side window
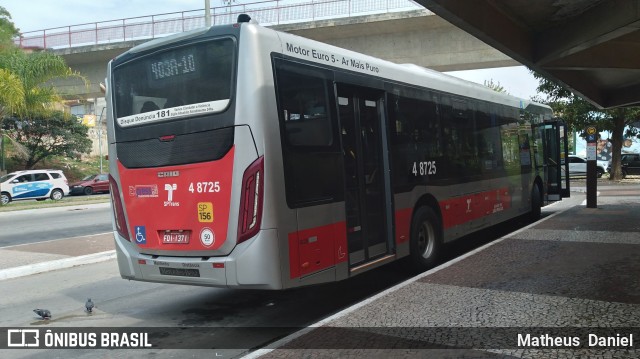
x,y
305,100
310,144
414,137
488,140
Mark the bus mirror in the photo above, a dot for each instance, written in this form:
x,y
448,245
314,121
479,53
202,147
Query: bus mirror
x,y
244,18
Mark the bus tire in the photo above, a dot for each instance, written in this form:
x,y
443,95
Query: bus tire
x,y
426,239
536,204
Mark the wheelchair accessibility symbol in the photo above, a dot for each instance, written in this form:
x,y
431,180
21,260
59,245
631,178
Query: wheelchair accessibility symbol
x,y
141,235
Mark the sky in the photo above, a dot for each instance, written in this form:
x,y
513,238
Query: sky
x,y
30,15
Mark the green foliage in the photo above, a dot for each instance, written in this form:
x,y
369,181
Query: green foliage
x,y
74,169
495,86
45,136
7,30
580,114
28,98
11,91
35,71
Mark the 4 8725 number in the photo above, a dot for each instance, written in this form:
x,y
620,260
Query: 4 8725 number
x,y
204,187
424,168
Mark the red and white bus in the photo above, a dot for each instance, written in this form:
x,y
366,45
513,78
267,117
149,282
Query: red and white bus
x,y
249,158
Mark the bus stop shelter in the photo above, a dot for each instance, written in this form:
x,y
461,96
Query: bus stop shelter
x,y
589,46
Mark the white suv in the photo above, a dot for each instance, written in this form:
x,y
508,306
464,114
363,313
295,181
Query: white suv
x,y
33,184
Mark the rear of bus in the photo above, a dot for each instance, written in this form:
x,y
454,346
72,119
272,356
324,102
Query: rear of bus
x,y
187,168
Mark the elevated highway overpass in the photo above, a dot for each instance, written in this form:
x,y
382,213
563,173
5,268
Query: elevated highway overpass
x,y
396,30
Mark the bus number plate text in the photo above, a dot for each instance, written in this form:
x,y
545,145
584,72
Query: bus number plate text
x,y
176,237
424,168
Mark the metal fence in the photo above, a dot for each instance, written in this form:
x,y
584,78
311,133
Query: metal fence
x,y
267,13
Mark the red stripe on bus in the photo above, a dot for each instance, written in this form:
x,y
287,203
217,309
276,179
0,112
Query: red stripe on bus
x,y
403,225
460,210
315,249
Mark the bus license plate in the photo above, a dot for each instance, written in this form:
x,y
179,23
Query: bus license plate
x,y
175,237
180,272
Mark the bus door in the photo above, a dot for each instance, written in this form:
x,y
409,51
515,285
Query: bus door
x,y
368,204
552,160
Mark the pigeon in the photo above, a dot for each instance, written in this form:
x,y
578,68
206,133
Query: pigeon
x,y
89,305
44,313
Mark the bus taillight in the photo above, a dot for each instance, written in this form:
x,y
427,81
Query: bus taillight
x,y
251,200
118,211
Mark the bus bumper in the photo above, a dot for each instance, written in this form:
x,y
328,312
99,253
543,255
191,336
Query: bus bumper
x,y
253,264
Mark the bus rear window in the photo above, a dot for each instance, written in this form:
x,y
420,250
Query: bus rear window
x,y
185,81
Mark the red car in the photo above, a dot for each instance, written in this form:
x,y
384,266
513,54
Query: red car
x,y
91,184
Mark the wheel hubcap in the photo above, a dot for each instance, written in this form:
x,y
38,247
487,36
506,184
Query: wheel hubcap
x,y
426,239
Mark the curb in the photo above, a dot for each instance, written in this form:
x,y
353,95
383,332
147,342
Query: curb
x,y
346,311
36,268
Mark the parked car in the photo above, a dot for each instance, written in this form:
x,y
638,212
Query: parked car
x,y
33,184
91,184
602,166
578,166
630,164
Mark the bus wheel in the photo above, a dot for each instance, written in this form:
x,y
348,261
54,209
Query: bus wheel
x,y
536,204
426,238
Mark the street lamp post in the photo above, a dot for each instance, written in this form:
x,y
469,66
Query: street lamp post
x,y
1,152
207,13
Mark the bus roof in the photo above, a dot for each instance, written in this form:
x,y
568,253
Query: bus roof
x,y
321,53
329,55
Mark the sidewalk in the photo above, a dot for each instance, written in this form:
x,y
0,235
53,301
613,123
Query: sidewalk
x,y
27,259
577,268
574,273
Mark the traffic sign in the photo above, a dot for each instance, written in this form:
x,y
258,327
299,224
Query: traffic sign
x,y
591,152
592,134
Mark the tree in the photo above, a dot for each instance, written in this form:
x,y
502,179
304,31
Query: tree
x,y
495,86
11,101
26,91
7,30
11,91
35,71
579,114
44,136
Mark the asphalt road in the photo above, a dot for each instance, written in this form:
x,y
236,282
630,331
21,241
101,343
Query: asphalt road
x,y
183,315
36,225
171,308
120,303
